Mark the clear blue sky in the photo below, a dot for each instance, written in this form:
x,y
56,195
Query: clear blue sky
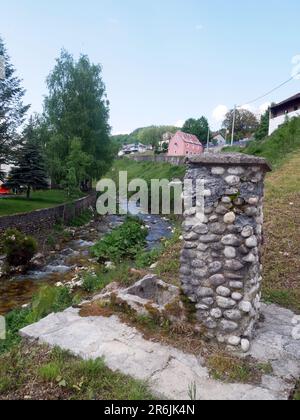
x,y
163,60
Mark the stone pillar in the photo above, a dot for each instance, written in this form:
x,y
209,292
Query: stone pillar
x,y
221,268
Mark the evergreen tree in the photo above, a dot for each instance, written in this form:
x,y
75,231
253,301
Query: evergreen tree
x,y
12,110
30,165
263,129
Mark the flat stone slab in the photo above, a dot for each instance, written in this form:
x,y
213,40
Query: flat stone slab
x,y
170,372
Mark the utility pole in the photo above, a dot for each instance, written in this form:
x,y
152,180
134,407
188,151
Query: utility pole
x,y
208,137
233,125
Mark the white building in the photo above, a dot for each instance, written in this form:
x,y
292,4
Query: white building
x,y
131,149
6,169
282,111
219,140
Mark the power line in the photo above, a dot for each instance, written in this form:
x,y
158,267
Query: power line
x,y
272,90
258,99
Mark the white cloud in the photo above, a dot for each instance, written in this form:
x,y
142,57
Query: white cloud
x,y
219,113
179,123
296,67
263,107
248,107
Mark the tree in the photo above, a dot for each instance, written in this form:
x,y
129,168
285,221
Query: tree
x,y
71,183
263,129
80,162
30,165
198,128
12,110
246,123
152,135
77,108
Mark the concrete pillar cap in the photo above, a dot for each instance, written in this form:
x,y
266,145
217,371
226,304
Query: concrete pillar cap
x,y
229,159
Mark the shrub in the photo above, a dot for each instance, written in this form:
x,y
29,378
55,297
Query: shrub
x,y
146,259
124,242
49,299
91,283
18,247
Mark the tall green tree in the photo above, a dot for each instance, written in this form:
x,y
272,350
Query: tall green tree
x,y
77,108
263,129
12,110
198,128
246,123
80,162
29,170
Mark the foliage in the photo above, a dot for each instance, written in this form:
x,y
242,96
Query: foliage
x,y
39,200
147,135
49,299
71,184
56,374
145,170
146,259
15,321
82,220
263,129
29,170
18,247
122,243
77,112
12,110
246,123
78,163
279,145
92,282
198,128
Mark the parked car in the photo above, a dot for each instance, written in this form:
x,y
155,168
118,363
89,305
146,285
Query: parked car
x,y
4,190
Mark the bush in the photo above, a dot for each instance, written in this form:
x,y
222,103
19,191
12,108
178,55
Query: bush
x,y
146,259
91,283
49,299
18,247
124,242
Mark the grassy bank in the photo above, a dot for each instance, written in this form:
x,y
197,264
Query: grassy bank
x,y
34,372
279,147
39,200
145,170
282,235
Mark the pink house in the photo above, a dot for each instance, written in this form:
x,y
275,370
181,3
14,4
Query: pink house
x,y
183,144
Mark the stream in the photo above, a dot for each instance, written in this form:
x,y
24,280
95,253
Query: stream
x,y
61,266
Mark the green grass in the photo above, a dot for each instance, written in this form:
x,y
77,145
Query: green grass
x,y
297,393
47,300
281,261
39,200
277,148
55,374
145,170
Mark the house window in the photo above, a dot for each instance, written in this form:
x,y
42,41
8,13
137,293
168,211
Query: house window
x,y
296,108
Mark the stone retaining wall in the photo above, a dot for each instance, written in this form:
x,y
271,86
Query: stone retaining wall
x,y
40,220
221,268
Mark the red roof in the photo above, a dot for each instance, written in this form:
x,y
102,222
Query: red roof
x,y
187,138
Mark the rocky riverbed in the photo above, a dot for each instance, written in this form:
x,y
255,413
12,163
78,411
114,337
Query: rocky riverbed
x,y
64,264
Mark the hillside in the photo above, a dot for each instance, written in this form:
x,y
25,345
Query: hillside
x,y
145,170
278,146
282,234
